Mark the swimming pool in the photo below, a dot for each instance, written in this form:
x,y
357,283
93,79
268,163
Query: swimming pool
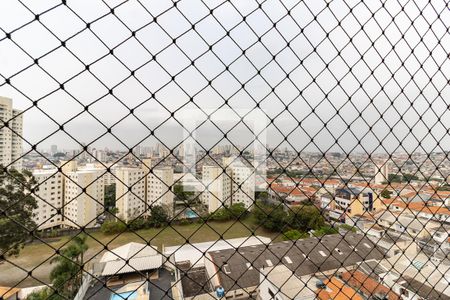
x,y
190,213
122,296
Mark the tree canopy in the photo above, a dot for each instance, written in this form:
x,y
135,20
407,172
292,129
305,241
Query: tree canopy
x,y
16,210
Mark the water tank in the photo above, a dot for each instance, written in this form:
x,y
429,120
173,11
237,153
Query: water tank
x,y
220,292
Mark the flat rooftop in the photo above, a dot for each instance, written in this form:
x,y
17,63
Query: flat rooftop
x,y
237,269
194,280
160,288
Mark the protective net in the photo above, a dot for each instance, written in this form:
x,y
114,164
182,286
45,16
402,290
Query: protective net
x,y
240,149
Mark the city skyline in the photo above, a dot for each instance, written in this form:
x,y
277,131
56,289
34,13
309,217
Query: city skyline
x,y
369,98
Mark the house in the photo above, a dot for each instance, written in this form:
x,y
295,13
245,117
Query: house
x,y
348,202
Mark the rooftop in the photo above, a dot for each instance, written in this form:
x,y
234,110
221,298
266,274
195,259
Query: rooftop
x,y
367,285
159,288
240,268
194,280
422,289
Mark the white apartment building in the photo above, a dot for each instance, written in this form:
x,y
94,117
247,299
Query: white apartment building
x,y
83,207
49,198
382,173
10,140
234,185
159,188
130,202
242,183
148,188
217,188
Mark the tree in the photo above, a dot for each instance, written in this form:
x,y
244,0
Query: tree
x,y
270,216
110,195
158,216
386,194
261,195
66,275
237,211
16,210
137,224
392,178
113,227
409,177
305,218
59,155
233,212
182,195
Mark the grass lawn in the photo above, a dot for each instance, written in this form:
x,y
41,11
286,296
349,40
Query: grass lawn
x,y
36,256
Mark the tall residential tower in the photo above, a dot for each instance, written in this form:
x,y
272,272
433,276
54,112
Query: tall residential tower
x,y
10,135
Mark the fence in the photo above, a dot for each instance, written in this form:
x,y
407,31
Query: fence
x,y
241,149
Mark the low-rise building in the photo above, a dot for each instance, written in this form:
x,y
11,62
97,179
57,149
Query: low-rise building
x,y
238,270
348,202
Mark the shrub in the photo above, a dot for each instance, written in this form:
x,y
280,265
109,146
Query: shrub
x,y
112,227
137,224
293,234
325,230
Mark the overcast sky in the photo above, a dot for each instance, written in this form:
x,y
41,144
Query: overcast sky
x,y
360,58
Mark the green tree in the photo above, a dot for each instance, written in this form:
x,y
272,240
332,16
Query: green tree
x,y
394,178
110,195
237,211
386,194
269,216
158,216
182,195
305,218
409,177
233,212
16,210
66,275
113,227
137,224
221,214
261,195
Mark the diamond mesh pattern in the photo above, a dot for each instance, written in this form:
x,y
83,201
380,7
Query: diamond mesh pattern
x,y
298,149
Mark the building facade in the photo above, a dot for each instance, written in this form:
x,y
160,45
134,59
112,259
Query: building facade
x,y
10,136
159,188
83,195
231,184
49,197
217,188
130,192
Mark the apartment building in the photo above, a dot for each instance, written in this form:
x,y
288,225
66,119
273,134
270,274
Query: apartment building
x,y
83,196
138,189
49,197
349,202
242,183
233,183
381,173
159,188
130,192
10,135
217,188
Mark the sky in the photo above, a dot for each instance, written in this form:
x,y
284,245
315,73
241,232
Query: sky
x,y
320,75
